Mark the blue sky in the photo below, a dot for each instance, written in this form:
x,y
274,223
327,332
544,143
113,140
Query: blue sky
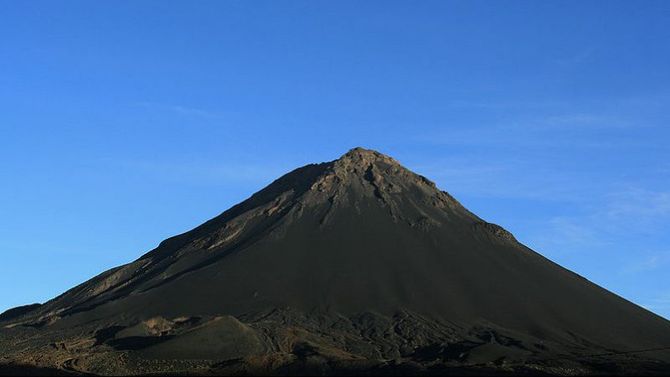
x,y
123,123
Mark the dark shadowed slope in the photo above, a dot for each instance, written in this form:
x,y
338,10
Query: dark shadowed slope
x,y
353,265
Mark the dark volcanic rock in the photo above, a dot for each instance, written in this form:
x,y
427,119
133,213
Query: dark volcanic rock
x,y
18,311
355,266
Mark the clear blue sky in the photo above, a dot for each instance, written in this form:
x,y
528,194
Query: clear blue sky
x,y
125,122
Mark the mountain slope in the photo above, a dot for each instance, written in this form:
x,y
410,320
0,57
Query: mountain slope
x,y
347,264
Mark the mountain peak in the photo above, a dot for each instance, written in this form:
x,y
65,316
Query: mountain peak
x,y
362,156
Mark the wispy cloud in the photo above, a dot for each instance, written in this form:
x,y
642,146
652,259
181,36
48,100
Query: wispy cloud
x,y
659,100
611,227
195,112
554,130
182,110
639,203
649,263
566,235
516,177
583,120
202,172
505,105
528,122
633,211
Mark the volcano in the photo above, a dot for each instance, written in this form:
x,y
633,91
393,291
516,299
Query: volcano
x,y
355,266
